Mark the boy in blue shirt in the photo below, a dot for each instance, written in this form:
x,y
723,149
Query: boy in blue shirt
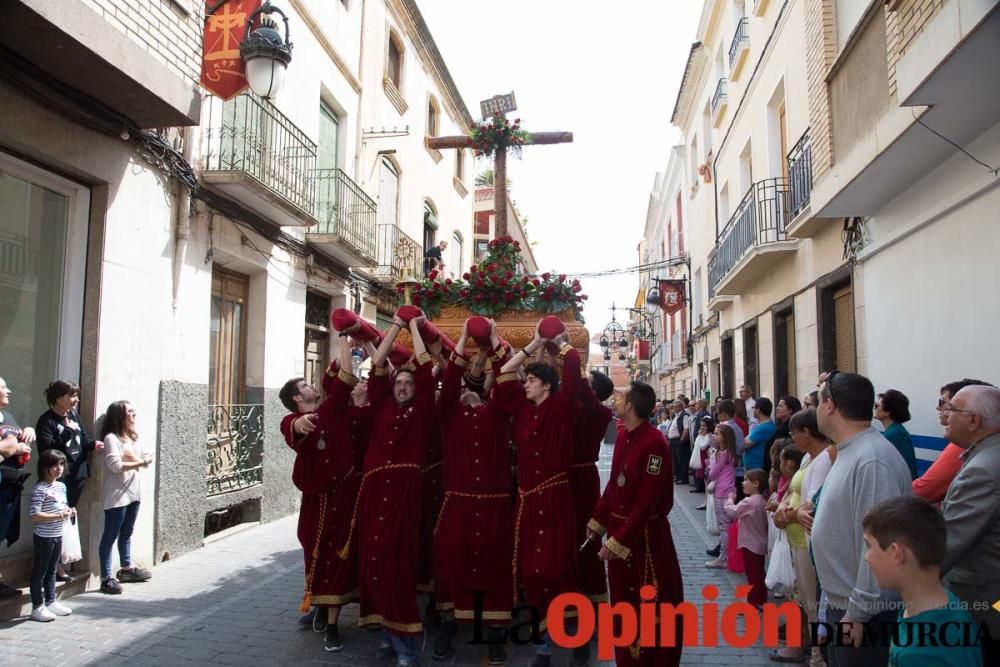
x,y
760,435
906,538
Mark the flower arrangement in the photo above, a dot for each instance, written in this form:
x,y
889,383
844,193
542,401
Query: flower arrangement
x,y
495,286
497,134
706,172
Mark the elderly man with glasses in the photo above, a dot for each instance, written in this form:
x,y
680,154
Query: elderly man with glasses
x,y
972,508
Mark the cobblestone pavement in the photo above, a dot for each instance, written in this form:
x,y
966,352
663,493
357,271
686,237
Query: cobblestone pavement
x,y
235,602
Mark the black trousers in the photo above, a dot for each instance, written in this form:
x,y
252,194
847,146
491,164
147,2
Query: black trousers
x,y
74,489
680,454
48,551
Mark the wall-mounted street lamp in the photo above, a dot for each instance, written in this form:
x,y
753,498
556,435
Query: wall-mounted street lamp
x,y
265,52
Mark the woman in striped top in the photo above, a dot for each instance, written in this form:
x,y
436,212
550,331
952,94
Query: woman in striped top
x,y
48,510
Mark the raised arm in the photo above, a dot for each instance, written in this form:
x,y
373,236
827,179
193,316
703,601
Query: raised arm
x,y
523,355
382,353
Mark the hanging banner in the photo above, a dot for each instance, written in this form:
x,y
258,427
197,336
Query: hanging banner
x,y
672,296
223,72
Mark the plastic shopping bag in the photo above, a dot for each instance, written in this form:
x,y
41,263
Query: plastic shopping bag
x,y
711,522
780,576
695,462
71,551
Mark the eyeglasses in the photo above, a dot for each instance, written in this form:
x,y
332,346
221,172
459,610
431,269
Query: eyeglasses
x,y
829,385
949,409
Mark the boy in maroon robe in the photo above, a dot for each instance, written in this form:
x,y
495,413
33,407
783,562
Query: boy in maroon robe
x,y
387,517
544,414
474,539
325,473
633,513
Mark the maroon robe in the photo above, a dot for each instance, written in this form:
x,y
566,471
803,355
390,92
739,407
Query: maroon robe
x,y
633,513
474,540
325,473
432,496
389,514
585,481
545,522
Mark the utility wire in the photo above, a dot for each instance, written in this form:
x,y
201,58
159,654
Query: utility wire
x,y
993,171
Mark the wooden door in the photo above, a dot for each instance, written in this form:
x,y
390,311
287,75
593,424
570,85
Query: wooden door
x,y
843,319
227,340
317,344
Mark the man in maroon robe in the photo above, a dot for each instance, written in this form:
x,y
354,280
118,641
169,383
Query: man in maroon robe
x,y
544,414
325,473
388,513
586,481
633,513
474,538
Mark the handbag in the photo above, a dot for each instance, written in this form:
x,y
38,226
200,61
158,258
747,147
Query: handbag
x,y
780,576
695,462
71,550
711,522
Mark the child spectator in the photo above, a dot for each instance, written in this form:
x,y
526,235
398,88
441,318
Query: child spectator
x,y
906,546
752,539
48,510
722,476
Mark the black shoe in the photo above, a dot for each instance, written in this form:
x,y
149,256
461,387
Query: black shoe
x,y
714,553
581,655
63,577
695,491
110,586
542,661
442,645
320,621
331,639
307,618
134,575
700,507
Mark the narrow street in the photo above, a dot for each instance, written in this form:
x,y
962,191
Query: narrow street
x,y
235,601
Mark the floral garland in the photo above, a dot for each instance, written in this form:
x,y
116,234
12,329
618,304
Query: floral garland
x,y
497,134
496,286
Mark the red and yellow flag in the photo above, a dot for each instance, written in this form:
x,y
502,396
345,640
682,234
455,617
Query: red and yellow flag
x,y
223,72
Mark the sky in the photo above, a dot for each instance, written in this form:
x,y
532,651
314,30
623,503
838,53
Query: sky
x,y
611,77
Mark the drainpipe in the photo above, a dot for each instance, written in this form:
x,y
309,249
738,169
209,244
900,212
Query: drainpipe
x,y
182,220
359,133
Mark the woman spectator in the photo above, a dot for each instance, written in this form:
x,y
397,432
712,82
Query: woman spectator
x,y
933,484
59,428
783,411
741,416
121,492
892,408
15,451
811,400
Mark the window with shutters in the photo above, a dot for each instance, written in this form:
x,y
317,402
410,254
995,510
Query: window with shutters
x,y
837,345
784,353
728,381
394,62
227,339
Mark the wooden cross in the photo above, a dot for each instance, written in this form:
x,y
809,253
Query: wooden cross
x,y
500,166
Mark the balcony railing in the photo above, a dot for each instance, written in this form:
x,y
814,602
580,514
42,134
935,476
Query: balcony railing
x,y
799,175
740,38
247,134
397,254
760,218
18,257
720,95
235,448
343,208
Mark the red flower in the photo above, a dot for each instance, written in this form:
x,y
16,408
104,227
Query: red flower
x,y
479,283
432,275
508,297
447,281
576,287
491,268
464,293
546,275
546,297
479,298
493,298
536,282
465,276
525,280
562,278
400,290
503,282
509,274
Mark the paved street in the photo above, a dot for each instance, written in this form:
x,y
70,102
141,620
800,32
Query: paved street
x,y
235,602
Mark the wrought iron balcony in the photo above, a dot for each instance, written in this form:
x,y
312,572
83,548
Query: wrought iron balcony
x,y
740,44
346,219
719,101
800,175
755,231
257,156
235,448
397,254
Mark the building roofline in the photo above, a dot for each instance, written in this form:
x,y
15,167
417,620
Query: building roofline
x,y
684,80
437,61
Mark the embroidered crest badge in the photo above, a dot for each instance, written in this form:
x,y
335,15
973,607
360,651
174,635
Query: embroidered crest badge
x,y
654,465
